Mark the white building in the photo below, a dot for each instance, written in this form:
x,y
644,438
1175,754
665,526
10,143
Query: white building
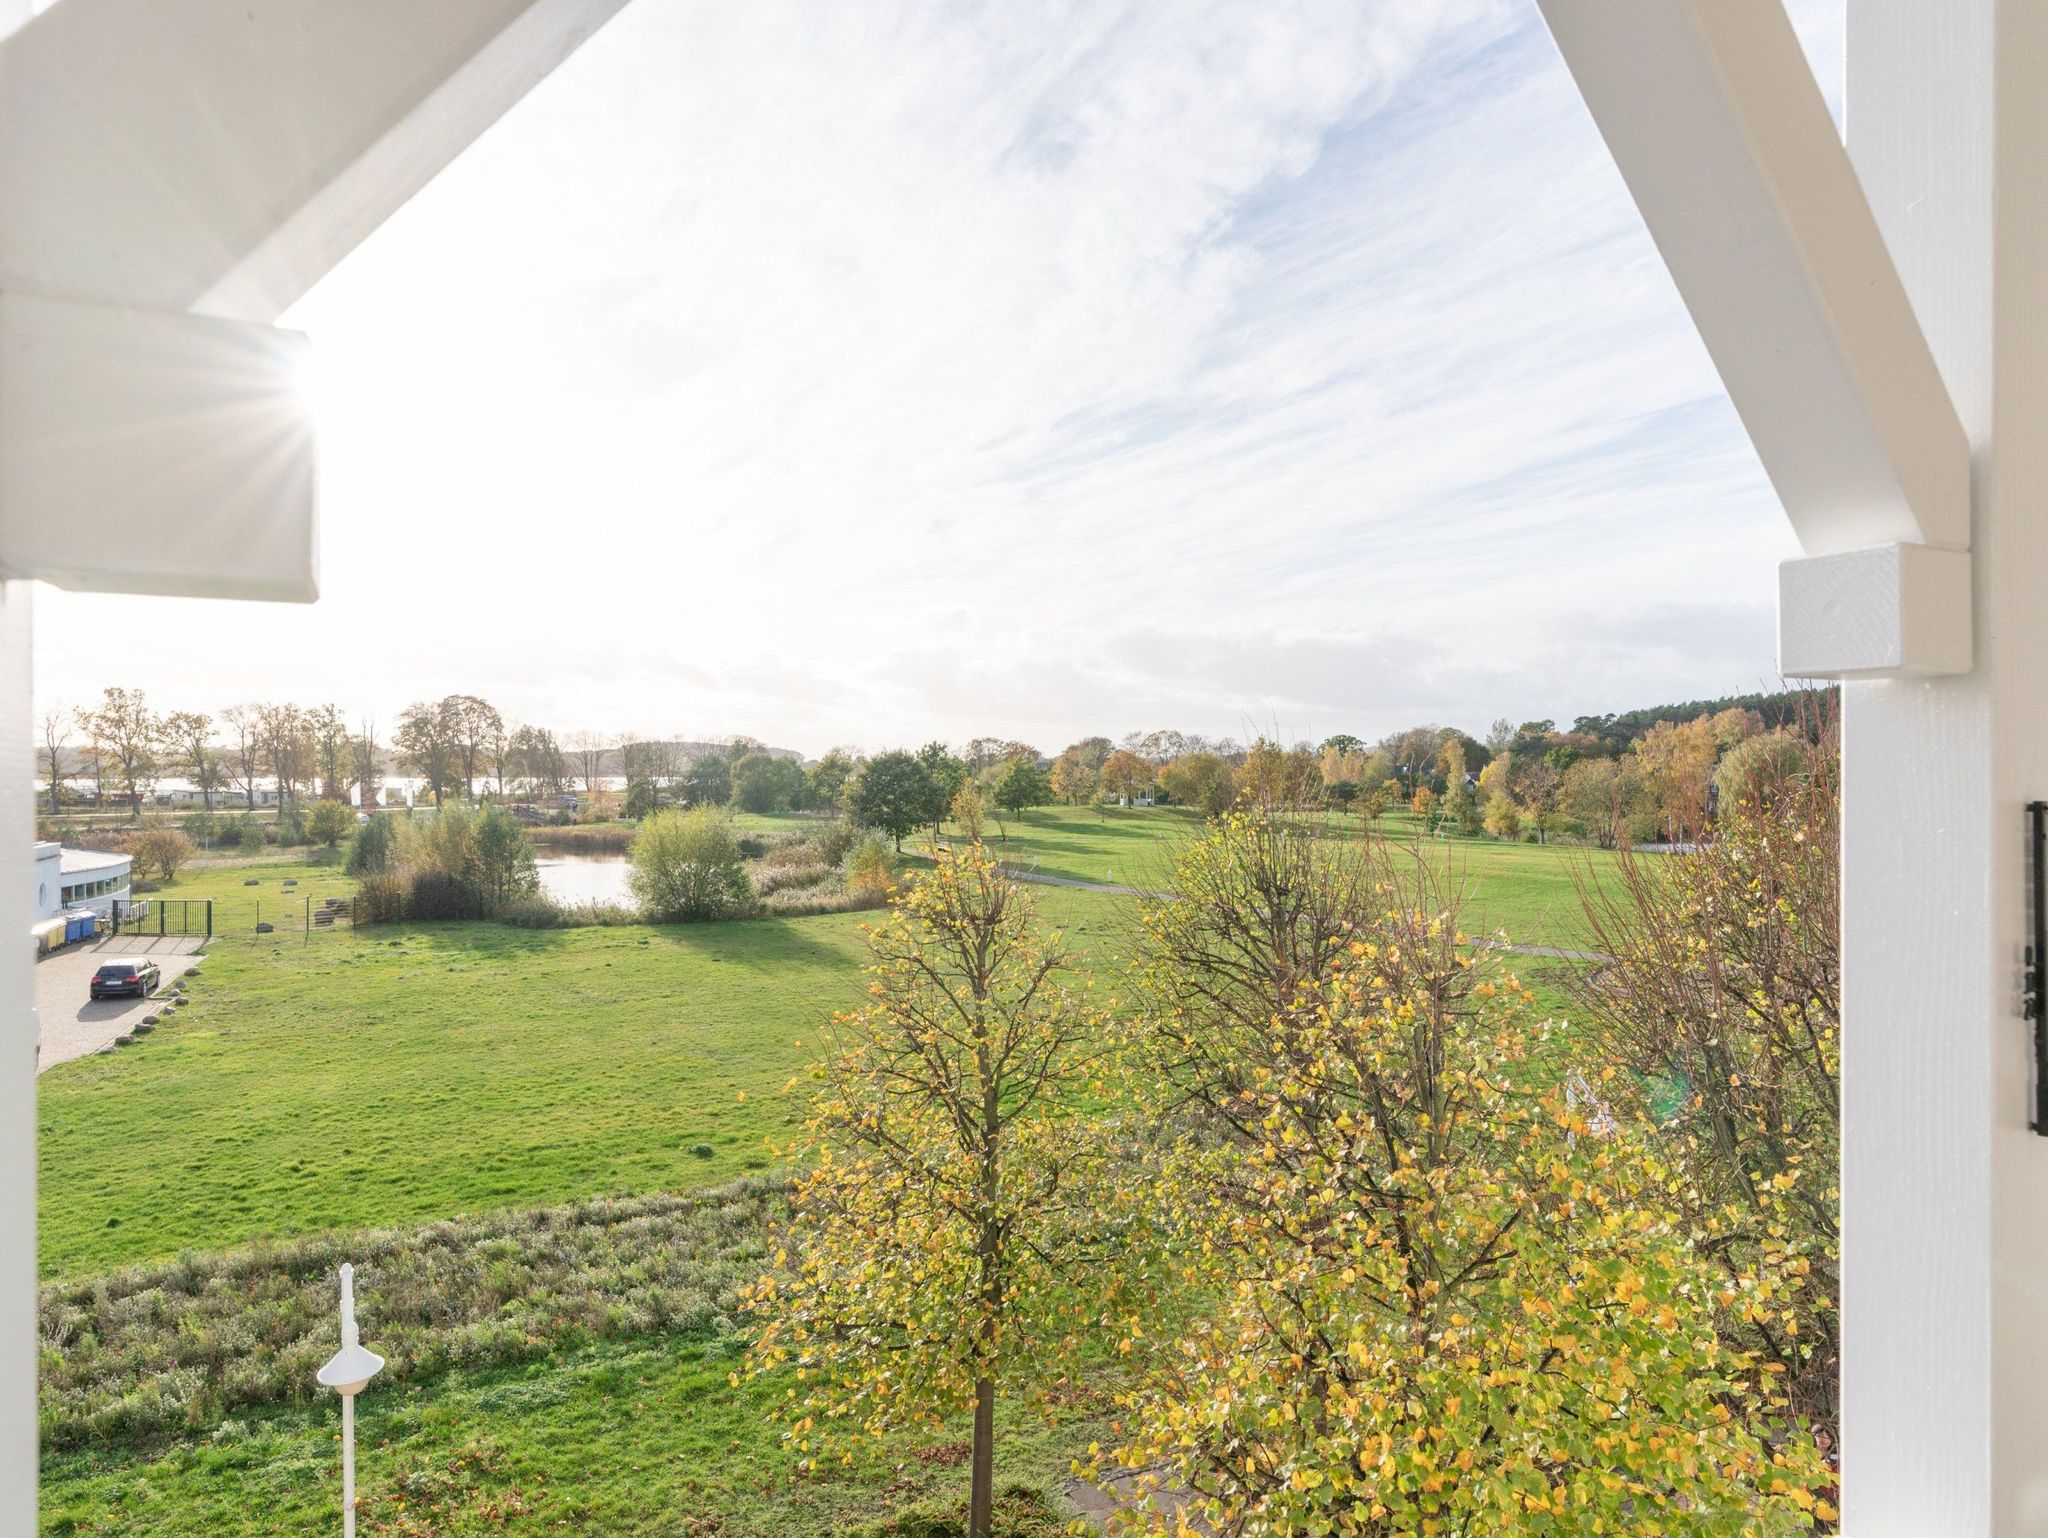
x,y
79,878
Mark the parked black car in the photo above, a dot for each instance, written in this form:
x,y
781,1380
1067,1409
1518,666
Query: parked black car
x,y
134,979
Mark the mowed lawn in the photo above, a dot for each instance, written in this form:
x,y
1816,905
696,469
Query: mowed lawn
x,y
1526,893
389,1076
393,1075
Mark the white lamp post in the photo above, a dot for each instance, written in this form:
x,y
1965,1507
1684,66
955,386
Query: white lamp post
x,y
348,1372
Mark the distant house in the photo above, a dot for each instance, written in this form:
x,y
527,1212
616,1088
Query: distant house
x,y
226,798
79,878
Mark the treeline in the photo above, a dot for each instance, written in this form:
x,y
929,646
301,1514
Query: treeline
x,y
1786,709
459,747
247,752
1637,776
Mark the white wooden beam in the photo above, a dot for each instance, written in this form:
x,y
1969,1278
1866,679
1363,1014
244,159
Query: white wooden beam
x,y
222,156
144,451
1945,1191
20,1336
1894,611
1725,142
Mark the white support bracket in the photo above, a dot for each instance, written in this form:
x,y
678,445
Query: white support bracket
x,y
1891,611
1724,139
152,451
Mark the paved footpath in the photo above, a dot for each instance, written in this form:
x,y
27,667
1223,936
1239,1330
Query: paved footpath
x,y
73,1025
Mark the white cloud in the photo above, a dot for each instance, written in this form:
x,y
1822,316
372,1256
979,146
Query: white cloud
x,y
879,372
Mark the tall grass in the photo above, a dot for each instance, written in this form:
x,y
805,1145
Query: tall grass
x,y
583,838
150,1351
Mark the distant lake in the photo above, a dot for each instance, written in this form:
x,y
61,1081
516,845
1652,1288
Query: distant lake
x,y
583,878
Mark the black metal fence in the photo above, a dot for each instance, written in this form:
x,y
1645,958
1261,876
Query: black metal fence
x,y
330,913
163,916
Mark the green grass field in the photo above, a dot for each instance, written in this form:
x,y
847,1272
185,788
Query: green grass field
x,y
1526,892
643,1438
394,1076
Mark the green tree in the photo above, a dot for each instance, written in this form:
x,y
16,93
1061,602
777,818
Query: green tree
x,y
762,782
827,779
536,760
188,745
1503,818
1019,784
504,870
370,851
1200,779
943,776
163,851
1127,776
131,737
1074,780
688,868
426,748
475,731
949,1238
708,780
1719,996
329,822
483,855
1758,766
891,794
1445,1298
333,751
1458,801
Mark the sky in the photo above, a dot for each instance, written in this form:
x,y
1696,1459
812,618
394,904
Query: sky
x,y
868,374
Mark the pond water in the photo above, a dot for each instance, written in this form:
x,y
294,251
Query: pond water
x,y
583,878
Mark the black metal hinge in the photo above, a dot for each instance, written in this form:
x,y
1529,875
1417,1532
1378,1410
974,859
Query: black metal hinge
x,y
2034,1001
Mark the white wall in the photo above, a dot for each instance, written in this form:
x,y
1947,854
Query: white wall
x,y
17,1084
1945,1191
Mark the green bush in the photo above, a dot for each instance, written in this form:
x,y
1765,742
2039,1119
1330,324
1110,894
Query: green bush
x,y
870,869
380,898
534,913
433,896
835,839
370,851
688,867
485,854
329,822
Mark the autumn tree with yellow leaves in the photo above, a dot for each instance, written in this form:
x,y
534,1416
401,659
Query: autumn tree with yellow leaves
x,y
1446,1297
1722,1001
954,1234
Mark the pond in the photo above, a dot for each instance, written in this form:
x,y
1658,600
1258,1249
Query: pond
x,y
583,878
